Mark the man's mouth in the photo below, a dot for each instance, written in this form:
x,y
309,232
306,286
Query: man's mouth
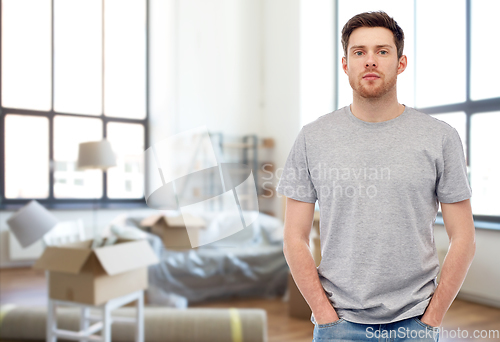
x,y
371,77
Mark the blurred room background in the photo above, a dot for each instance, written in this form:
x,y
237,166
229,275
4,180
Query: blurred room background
x,y
253,72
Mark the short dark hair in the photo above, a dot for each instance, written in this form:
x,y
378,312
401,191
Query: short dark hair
x,y
373,19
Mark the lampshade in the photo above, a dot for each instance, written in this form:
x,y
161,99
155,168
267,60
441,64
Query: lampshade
x,y
30,223
96,155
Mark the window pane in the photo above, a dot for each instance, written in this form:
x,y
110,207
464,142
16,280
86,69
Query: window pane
x,y
69,132
78,56
485,163
126,180
125,58
440,52
402,12
26,156
457,120
484,19
26,54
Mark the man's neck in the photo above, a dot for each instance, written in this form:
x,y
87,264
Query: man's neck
x,y
376,110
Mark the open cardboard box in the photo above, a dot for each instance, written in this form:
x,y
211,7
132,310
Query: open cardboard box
x,y
173,231
80,274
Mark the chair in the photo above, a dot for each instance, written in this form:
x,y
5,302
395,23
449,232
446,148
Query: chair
x,y
73,231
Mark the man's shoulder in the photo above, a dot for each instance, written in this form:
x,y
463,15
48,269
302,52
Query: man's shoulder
x,y
426,121
332,118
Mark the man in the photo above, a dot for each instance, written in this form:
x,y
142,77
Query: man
x,y
378,170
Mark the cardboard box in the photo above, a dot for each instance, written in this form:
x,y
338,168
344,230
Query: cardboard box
x,y
268,142
173,231
80,274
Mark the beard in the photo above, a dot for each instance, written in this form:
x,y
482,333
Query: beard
x,y
373,89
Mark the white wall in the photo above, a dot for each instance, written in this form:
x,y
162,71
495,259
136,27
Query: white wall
x,y
281,89
205,66
162,69
317,51
219,65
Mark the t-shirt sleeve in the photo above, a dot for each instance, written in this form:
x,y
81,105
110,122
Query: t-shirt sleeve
x,y
295,181
452,184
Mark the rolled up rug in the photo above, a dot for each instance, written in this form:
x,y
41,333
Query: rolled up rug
x,y
160,324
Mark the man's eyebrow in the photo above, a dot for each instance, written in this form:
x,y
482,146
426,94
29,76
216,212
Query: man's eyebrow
x,y
363,46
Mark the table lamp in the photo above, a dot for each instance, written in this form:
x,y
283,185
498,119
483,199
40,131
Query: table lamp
x,y
95,155
30,223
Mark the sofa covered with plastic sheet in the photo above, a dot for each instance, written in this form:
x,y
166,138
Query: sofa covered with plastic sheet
x,y
249,263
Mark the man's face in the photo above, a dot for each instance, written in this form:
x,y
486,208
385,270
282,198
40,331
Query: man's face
x,y
372,62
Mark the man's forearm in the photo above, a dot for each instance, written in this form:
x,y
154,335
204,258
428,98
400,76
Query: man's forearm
x,y
455,267
305,274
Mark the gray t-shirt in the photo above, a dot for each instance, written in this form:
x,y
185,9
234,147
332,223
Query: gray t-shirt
x,y
378,186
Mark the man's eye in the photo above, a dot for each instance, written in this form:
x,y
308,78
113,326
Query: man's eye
x,y
358,53
383,52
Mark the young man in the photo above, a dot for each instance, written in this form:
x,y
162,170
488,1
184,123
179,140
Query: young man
x,y
378,170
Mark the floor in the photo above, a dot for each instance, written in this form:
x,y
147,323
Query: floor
x,y
25,286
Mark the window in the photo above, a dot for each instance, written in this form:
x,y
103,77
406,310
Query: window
x,y
456,53
72,71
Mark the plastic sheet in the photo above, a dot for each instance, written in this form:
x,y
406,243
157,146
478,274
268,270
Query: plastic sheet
x,y
249,263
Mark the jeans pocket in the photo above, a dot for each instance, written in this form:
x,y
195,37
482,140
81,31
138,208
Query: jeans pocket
x,y
327,325
425,325
423,331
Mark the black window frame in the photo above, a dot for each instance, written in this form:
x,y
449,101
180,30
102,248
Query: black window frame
x,y
73,203
469,106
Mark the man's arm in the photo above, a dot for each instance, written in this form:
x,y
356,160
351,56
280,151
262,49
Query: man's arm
x,y
459,225
298,222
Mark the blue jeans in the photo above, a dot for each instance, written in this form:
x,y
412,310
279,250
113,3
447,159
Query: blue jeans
x,y
410,329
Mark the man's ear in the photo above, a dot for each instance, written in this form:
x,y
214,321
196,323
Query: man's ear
x,y
344,64
403,62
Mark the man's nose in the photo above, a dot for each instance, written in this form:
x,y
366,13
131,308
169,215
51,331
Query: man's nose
x,y
370,60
